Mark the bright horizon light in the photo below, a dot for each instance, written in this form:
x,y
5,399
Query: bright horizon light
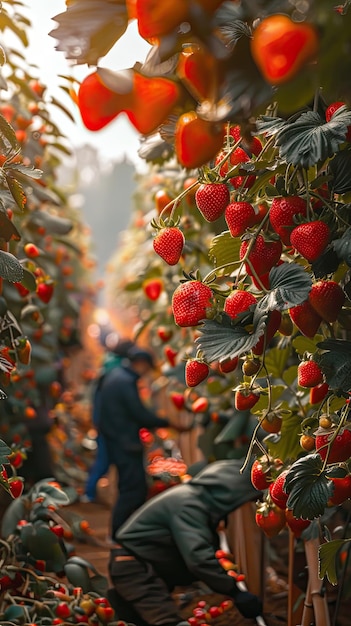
x,y
119,139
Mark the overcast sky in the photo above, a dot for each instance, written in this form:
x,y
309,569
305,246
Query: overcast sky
x,y
119,138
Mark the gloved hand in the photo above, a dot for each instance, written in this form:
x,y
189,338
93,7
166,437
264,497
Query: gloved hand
x,y
247,603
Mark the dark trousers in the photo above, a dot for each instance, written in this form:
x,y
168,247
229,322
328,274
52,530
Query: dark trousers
x,y
140,596
132,486
98,469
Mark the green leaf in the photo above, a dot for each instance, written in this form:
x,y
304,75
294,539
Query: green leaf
x,y
28,280
286,446
327,554
224,249
31,172
64,109
310,139
7,228
4,452
339,169
276,360
308,487
262,404
290,375
305,344
342,246
289,286
16,191
225,339
269,126
10,267
99,24
53,224
7,131
77,576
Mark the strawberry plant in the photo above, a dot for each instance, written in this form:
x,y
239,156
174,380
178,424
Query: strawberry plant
x,y
263,132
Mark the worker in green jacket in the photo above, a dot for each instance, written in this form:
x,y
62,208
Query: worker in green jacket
x,y
171,541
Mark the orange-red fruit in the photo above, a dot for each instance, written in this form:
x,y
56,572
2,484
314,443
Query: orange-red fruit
x,y
327,298
306,318
238,301
153,288
281,47
190,302
197,141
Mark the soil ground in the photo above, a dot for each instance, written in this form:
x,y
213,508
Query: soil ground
x,y
96,551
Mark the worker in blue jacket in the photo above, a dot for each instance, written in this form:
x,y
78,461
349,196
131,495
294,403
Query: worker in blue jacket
x,y
122,415
172,540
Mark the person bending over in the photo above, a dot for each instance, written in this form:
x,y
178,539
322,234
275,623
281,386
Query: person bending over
x,y
172,540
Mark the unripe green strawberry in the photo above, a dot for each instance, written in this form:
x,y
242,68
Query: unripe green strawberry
x,y
282,212
263,255
196,371
327,298
168,244
211,200
309,374
305,318
310,239
190,302
239,216
238,301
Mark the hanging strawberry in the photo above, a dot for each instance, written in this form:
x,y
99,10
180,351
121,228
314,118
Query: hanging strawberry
x,y
281,47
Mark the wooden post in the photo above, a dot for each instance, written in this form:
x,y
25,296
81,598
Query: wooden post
x,y
316,602
291,578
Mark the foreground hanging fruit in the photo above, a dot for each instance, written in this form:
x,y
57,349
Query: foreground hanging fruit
x,y
281,47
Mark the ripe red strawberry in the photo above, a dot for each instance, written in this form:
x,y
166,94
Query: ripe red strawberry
x,y
168,244
262,256
282,214
152,288
195,372
238,301
245,400
238,156
309,374
239,216
276,490
306,318
164,333
200,405
45,291
273,323
190,302
229,365
296,524
270,518
253,144
261,474
310,239
318,393
16,486
332,108
327,299
341,491
340,449
170,355
178,400
211,200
